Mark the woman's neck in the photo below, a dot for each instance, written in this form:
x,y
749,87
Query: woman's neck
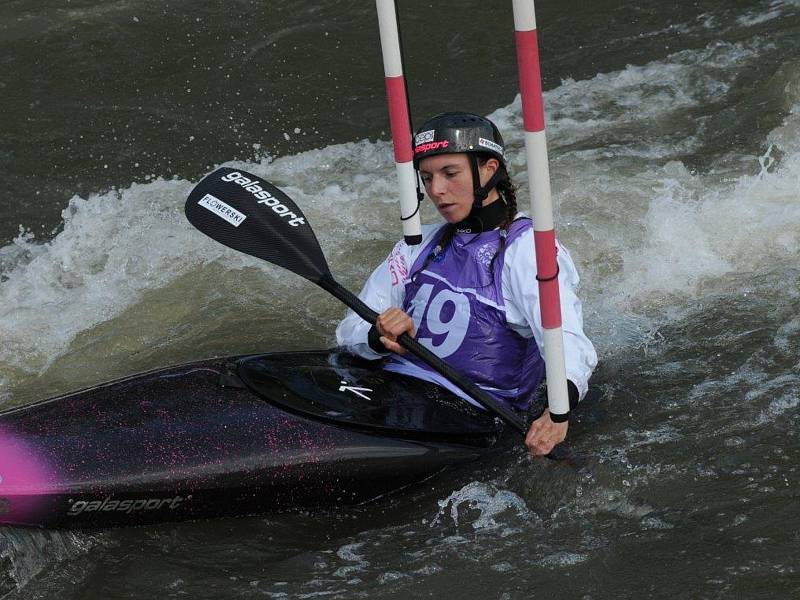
x,y
487,217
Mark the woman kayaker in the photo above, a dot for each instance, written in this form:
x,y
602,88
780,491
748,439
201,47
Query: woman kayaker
x,y
469,292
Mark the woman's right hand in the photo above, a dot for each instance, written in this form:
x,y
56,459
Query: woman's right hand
x,y
391,324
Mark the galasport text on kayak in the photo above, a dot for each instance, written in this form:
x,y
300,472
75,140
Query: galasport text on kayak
x,y
126,506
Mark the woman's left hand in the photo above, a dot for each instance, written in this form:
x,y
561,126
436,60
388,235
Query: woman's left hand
x,y
544,434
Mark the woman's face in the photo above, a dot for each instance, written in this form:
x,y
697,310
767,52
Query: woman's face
x,y
448,183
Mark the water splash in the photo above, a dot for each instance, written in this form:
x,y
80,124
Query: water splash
x,y
24,553
651,234
489,501
348,553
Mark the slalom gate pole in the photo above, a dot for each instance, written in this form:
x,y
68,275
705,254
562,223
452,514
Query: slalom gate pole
x,y
530,83
400,120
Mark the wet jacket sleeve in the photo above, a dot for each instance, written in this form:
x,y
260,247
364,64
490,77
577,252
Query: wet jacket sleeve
x,y
383,289
521,295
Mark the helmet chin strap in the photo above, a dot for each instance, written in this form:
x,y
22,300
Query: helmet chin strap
x,y
482,192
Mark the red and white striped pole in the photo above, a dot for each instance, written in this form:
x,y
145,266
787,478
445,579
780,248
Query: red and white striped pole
x,y
400,120
530,83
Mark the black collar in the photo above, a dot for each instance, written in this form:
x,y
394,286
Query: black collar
x,y
485,218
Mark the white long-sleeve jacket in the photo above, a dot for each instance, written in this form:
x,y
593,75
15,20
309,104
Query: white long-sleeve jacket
x,y
385,288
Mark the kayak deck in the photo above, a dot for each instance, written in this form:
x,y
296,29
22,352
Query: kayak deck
x,y
346,390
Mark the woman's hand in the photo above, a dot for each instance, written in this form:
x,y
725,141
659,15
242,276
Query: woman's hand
x,y
544,434
391,324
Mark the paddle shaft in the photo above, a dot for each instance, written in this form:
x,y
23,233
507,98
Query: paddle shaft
x,y
473,391
248,214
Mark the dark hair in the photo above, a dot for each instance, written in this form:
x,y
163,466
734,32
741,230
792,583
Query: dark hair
x,y
508,195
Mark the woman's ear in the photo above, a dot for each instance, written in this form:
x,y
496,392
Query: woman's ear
x,y
488,169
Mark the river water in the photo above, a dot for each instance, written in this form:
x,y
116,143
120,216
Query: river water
x,y
674,131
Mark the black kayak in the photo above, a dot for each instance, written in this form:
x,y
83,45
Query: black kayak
x,y
231,436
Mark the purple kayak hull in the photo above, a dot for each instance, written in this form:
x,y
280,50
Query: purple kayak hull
x,y
214,438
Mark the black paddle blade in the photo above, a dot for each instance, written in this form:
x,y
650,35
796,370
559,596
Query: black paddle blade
x,y
248,214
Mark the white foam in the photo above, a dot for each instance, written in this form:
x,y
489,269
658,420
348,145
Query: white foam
x,y
391,577
637,95
655,523
643,228
695,232
112,248
753,18
778,407
486,499
563,559
646,231
786,333
117,245
667,234
29,552
503,567
20,251
349,553
663,434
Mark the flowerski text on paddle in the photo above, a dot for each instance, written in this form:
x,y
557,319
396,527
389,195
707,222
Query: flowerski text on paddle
x,y
264,197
